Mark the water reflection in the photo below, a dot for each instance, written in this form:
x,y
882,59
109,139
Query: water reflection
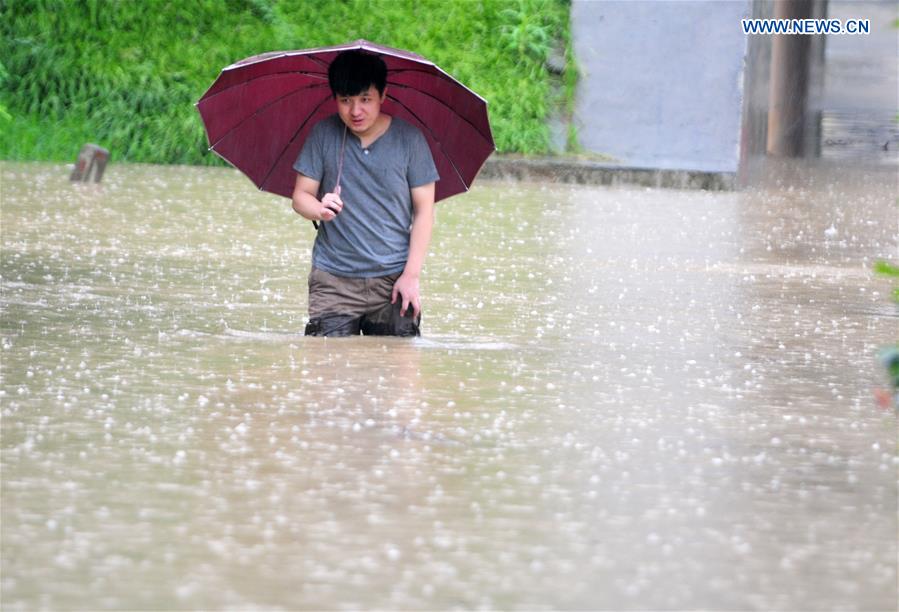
x,y
624,398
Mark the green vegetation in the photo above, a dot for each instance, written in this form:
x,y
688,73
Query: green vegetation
x,y
890,359
890,356
126,74
4,116
885,268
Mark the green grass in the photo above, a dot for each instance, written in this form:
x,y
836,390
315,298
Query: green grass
x,y
126,75
885,268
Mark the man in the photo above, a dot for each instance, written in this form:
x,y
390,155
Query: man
x,y
368,179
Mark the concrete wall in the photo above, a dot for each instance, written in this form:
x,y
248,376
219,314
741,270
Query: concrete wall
x,y
661,81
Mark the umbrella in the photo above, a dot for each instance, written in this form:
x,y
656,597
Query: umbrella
x,y
259,111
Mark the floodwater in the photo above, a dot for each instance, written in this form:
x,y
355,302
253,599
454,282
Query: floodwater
x,y
624,398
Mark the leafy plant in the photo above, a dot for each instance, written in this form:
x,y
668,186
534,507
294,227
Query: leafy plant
x,y
884,268
889,357
5,117
525,32
127,74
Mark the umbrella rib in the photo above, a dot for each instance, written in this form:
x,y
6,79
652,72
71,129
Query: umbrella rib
x,y
289,142
318,61
261,109
263,76
434,136
446,78
436,99
440,75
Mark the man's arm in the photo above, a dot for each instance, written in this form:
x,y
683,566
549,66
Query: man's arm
x,y
308,206
406,285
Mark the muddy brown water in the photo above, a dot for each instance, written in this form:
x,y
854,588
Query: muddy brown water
x,y
624,398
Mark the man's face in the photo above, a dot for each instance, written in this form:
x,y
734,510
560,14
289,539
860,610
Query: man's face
x,y
360,112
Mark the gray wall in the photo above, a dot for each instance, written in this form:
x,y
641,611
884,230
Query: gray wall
x,y
661,81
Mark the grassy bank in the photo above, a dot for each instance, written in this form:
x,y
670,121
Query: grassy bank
x,y
126,74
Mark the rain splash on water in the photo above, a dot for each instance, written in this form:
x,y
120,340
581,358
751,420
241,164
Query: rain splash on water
x,y
624,397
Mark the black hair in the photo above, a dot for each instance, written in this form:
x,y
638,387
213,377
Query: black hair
x,y
353,72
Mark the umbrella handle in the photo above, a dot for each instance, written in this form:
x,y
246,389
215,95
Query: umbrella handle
x,y
339,166
340,159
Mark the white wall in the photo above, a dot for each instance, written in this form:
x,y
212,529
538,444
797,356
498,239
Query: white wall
x,y
661,81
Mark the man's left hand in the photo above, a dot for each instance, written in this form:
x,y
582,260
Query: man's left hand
x,y
406,289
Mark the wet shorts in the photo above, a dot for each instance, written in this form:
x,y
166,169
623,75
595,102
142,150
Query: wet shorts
x,y
341,306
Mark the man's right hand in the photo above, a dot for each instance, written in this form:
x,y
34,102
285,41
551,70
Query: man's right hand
x,y
331,205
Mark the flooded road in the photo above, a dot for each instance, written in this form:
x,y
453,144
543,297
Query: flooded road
x,y
624,398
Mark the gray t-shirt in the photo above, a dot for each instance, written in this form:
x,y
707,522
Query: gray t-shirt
x,y
370,236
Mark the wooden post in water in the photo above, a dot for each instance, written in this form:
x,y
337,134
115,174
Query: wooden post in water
x,y
91,163
789,83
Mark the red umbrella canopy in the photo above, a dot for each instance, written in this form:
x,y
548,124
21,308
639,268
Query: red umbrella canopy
x,y
260,110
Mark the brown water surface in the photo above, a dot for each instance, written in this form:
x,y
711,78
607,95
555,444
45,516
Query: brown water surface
x,y
624,398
